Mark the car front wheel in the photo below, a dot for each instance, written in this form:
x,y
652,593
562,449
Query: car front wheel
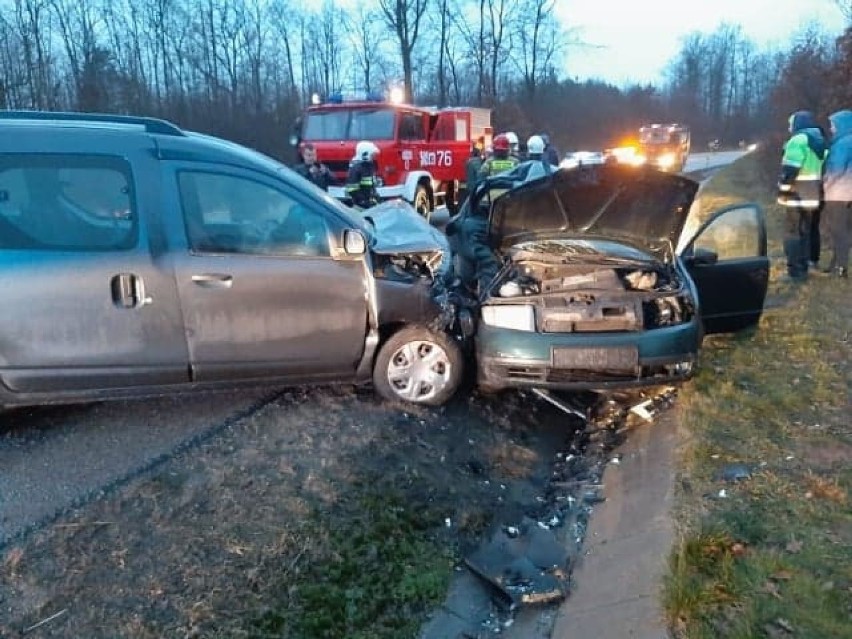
x,y
418,366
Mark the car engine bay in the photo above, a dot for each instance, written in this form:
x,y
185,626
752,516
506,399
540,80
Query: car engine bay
x,y
576,298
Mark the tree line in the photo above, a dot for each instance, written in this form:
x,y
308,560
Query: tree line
x,y
244,69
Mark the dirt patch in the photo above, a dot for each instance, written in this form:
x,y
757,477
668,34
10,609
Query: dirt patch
x,y
825,456
208,543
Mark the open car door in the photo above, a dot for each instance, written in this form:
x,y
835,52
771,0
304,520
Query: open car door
x,y
728,263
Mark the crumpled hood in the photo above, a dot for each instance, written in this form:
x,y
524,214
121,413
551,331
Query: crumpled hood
x,y
399,230
643,206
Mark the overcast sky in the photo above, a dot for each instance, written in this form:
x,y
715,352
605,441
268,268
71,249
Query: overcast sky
x,y
634,39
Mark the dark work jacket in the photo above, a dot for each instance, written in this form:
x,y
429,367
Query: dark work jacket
x,y
472,172
479,262
321,176
361,184
551,155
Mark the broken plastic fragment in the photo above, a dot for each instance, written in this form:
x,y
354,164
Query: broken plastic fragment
x,y
735,472
642,410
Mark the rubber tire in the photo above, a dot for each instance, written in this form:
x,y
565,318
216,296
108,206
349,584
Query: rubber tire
x,y
423,192
415,334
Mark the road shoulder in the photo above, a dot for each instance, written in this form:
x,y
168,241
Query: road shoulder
x,y
619,577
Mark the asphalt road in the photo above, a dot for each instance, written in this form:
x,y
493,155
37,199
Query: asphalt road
x,y
718,159
56,457
53,458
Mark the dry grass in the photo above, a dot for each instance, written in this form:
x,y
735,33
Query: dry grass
x,y
773,555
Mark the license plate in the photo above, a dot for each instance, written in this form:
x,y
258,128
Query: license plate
x,y
618,358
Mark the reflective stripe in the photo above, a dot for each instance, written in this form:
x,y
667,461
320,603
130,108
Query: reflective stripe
x,y
798,203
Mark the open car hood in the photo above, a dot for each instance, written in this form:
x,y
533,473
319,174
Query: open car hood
x,y
643,206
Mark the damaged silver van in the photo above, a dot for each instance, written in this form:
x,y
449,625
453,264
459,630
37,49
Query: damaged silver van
x,y
138,258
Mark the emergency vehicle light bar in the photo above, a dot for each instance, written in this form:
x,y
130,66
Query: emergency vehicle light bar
x,y
369,96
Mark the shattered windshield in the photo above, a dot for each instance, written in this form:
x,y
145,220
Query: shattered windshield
x,y
355,124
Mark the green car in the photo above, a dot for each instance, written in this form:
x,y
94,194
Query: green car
x,y
589,290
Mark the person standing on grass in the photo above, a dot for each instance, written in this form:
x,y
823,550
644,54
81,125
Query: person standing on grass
x,y
800,190
837,185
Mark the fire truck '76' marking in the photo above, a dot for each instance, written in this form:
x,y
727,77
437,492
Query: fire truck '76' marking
x,y
436,158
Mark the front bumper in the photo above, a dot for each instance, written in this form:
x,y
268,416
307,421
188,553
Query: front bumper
x,y
521,359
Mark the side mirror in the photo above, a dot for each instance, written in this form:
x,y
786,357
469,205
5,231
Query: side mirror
x,y
354,242
703,257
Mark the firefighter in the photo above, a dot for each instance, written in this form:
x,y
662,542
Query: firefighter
x,y
361,182
472,167
535,148
501,161
550,152
514,145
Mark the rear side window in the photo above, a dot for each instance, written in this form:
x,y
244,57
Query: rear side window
x,y
66,203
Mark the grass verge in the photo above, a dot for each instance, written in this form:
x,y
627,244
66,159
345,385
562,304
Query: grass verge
x,y
765,543
376,577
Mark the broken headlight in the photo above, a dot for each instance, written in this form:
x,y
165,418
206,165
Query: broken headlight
x,y
518,317
666,311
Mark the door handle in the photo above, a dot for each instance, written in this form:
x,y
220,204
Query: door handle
x,y
213,280
128,291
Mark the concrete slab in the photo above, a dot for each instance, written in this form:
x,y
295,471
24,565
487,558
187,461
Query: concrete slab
x,y
618,581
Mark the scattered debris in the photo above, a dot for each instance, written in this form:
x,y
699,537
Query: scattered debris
x,y
794,546
530,568
642,411
784,625
781,575
735,472
560,404
45,621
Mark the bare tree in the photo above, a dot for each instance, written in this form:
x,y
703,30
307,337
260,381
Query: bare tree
x,y
845,7
364,27
405,17
540,39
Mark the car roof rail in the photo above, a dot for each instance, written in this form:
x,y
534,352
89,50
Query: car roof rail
x,y
152,125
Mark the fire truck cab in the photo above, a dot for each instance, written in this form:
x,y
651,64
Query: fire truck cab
x,y
423,151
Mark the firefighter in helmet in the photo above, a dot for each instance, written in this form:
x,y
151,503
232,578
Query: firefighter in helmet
x,y
362,182
501,160
514,145
535,148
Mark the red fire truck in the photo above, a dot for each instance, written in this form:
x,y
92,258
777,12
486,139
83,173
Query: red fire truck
x,y
423,151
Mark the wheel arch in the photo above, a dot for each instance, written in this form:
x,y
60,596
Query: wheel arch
x,y
414,180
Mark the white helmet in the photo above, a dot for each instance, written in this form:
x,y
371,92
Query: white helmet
x,y
513,138
535,145
365,150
